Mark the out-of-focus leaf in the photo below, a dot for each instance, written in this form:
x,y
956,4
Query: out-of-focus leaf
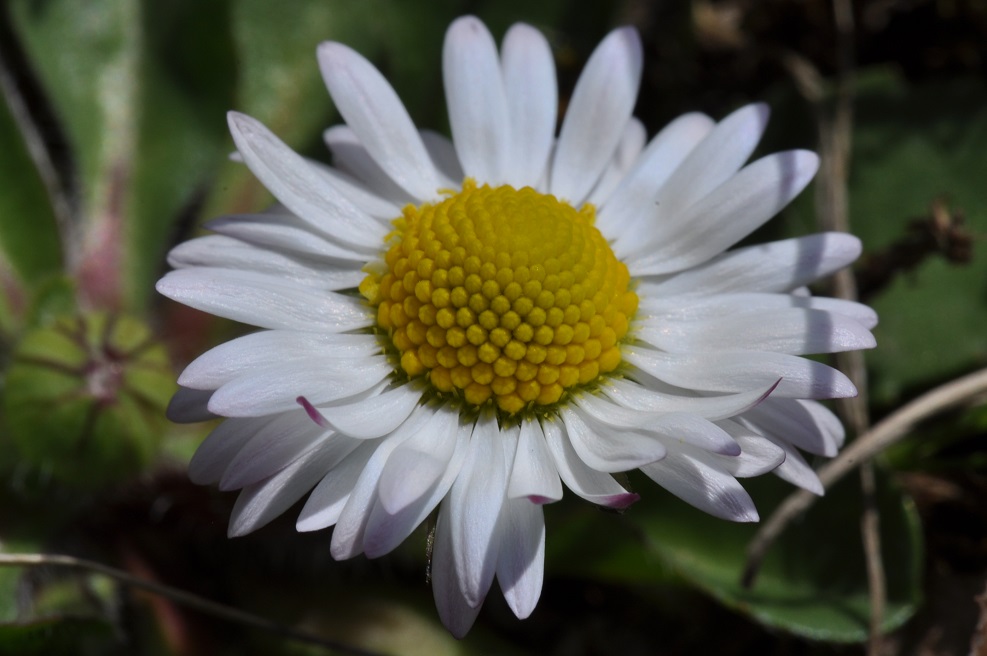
x,y
28,238
813,582
914,143
85,398
381,619
87,57
187,80
66,636
138,100
589,543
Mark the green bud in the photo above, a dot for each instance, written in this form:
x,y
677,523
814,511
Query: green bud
x,y
84,398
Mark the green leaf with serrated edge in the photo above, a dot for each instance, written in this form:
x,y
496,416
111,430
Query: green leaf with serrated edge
x,y
813,582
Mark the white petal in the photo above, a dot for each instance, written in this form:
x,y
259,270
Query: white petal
x,y
702,306
594,486
271,449
715,160
268,348
774,267
521,558
456,613
627,153
633,202
475,501
376,415
301,188
386,530
736,372
347,537
825,419
189,406
795,331
329,497
475,97
607,450
639,397
419,462
534,475
757,455
230,253
810,428
221,446
532,102
358,194
350,155
707,487
276,389
264,301
601,105
260,503
443,154
288,233
729,213
375,113
795,469
672,427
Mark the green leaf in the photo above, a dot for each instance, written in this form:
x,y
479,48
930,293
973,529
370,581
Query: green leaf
x,y
87,56
68,636
914,143
28,237
141,105
813,582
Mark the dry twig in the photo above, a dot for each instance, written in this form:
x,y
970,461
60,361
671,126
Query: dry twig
x,y
864,448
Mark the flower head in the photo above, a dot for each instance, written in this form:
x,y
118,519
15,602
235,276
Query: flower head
x,y
470,324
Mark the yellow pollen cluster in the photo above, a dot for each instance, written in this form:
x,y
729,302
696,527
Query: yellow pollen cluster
x,y
504,294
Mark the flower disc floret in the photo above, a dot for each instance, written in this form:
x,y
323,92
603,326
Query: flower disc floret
x,y
502,294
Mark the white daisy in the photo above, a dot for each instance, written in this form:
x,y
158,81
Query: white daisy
x,y
468,324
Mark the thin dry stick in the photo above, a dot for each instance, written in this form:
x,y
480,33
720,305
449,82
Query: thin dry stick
x,y
180,596
884,434
832,208
854,410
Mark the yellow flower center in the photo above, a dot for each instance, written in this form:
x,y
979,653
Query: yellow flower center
x,y
504,294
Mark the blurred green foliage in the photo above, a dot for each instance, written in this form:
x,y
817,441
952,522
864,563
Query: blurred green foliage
x,y
127,98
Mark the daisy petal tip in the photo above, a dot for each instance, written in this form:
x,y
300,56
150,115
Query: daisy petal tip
x,y
808,161
467,26
333,56
760,112
241,124
312,412
523,33
621,501
749,517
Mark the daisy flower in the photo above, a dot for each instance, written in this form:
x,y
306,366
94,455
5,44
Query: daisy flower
x,y
471,325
